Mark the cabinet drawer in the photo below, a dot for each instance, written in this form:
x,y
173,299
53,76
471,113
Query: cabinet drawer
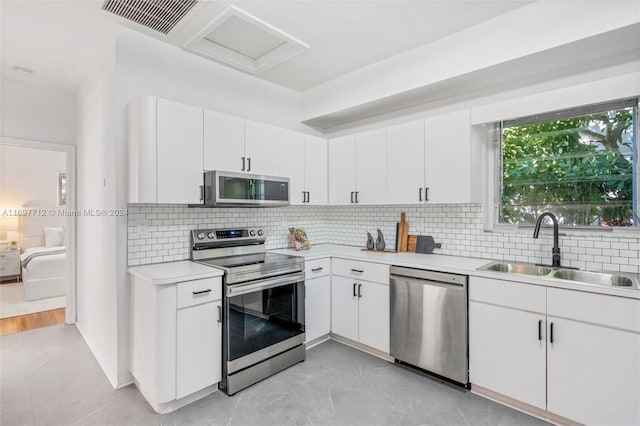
x,y
525,297
367,271
610,311
192,293
317,268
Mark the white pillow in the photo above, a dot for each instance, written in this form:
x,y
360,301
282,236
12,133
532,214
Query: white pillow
x,y
53,237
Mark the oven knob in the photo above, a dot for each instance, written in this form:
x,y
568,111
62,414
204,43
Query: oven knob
x,y
252,233
200,236
211,235
260,233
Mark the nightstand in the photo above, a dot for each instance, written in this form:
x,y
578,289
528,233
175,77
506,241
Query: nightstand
x,y
9,264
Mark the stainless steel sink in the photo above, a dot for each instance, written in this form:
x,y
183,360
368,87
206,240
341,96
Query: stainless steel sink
x,y
517,268
599,278
629,281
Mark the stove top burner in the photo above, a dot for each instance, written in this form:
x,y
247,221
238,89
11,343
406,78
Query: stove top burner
x,y
242,257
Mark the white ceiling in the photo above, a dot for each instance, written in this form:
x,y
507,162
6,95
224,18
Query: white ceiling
x,y
58,39
347,35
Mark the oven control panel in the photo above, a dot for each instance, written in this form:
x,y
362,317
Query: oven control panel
x,y
229,234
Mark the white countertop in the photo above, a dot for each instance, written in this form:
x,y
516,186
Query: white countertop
x,y
174,272
453,264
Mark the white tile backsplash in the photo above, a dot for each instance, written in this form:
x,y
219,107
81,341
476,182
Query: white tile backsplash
x,y
160,233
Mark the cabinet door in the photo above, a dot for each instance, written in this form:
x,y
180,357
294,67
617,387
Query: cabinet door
x,y
344,308
342,170
448,158
371,167
505,354
317,307
199,348
261,147
373,316
179,152
292,164
593,373
223,142
316,167
405,163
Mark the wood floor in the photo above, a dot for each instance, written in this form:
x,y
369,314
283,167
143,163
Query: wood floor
x,y
27,322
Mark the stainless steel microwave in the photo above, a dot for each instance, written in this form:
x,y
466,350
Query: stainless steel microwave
x,y
230,189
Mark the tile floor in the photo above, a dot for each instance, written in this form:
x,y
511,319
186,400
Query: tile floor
x,y
48,376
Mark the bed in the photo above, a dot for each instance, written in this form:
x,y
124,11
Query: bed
x,y
43,259
43,272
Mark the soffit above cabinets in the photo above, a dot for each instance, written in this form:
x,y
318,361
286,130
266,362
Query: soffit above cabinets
x,y
243,41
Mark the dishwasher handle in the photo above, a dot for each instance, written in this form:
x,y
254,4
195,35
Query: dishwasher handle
x,y
444,278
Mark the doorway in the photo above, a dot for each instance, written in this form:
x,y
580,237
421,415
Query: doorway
x,y
37,234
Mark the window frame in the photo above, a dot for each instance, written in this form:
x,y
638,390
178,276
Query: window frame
x,y
494,167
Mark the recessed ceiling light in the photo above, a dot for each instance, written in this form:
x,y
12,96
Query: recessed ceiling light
x,y
23,71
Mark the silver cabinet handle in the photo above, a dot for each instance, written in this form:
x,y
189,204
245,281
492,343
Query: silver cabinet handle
x,y
219,313
317,269
195,293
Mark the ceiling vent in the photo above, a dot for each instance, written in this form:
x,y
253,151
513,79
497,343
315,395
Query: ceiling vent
x,y
243,41
158,15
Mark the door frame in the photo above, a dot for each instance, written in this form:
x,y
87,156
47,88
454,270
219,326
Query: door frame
x,y
70,151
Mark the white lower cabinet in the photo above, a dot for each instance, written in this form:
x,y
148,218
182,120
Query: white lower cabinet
x,y
506,355
317,307
198,354
359,308
317,298
176,340
344,307
575,356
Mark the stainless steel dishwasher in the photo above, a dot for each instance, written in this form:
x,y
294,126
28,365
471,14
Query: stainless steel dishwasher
x,y
429,322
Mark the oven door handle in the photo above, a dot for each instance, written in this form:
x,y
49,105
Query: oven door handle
x,y
238,289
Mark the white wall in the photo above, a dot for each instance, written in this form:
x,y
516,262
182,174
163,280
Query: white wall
x,y
37,113
97,316
29,175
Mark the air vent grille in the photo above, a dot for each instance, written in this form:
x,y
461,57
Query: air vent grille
x,y
159,15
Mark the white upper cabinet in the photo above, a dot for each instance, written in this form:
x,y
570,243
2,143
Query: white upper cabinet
x,y
179,152
261,147
223,142
371,167
342,170
448,165
165,151
405,163
292,164
315,168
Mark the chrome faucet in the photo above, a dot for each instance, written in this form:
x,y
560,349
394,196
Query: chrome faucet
x,y
556,247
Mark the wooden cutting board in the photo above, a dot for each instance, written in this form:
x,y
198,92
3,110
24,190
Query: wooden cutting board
x,y
412,241
404,233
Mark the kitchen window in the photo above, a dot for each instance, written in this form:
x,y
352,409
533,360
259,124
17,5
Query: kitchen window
x,y
581,164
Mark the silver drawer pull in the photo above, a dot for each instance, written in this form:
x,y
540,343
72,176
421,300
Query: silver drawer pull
x,y
357,270
201,292
317,269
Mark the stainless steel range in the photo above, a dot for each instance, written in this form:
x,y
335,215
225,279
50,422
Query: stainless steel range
x,y
263,327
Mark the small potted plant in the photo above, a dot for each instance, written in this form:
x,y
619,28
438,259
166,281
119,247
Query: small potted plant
x,y
13,245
